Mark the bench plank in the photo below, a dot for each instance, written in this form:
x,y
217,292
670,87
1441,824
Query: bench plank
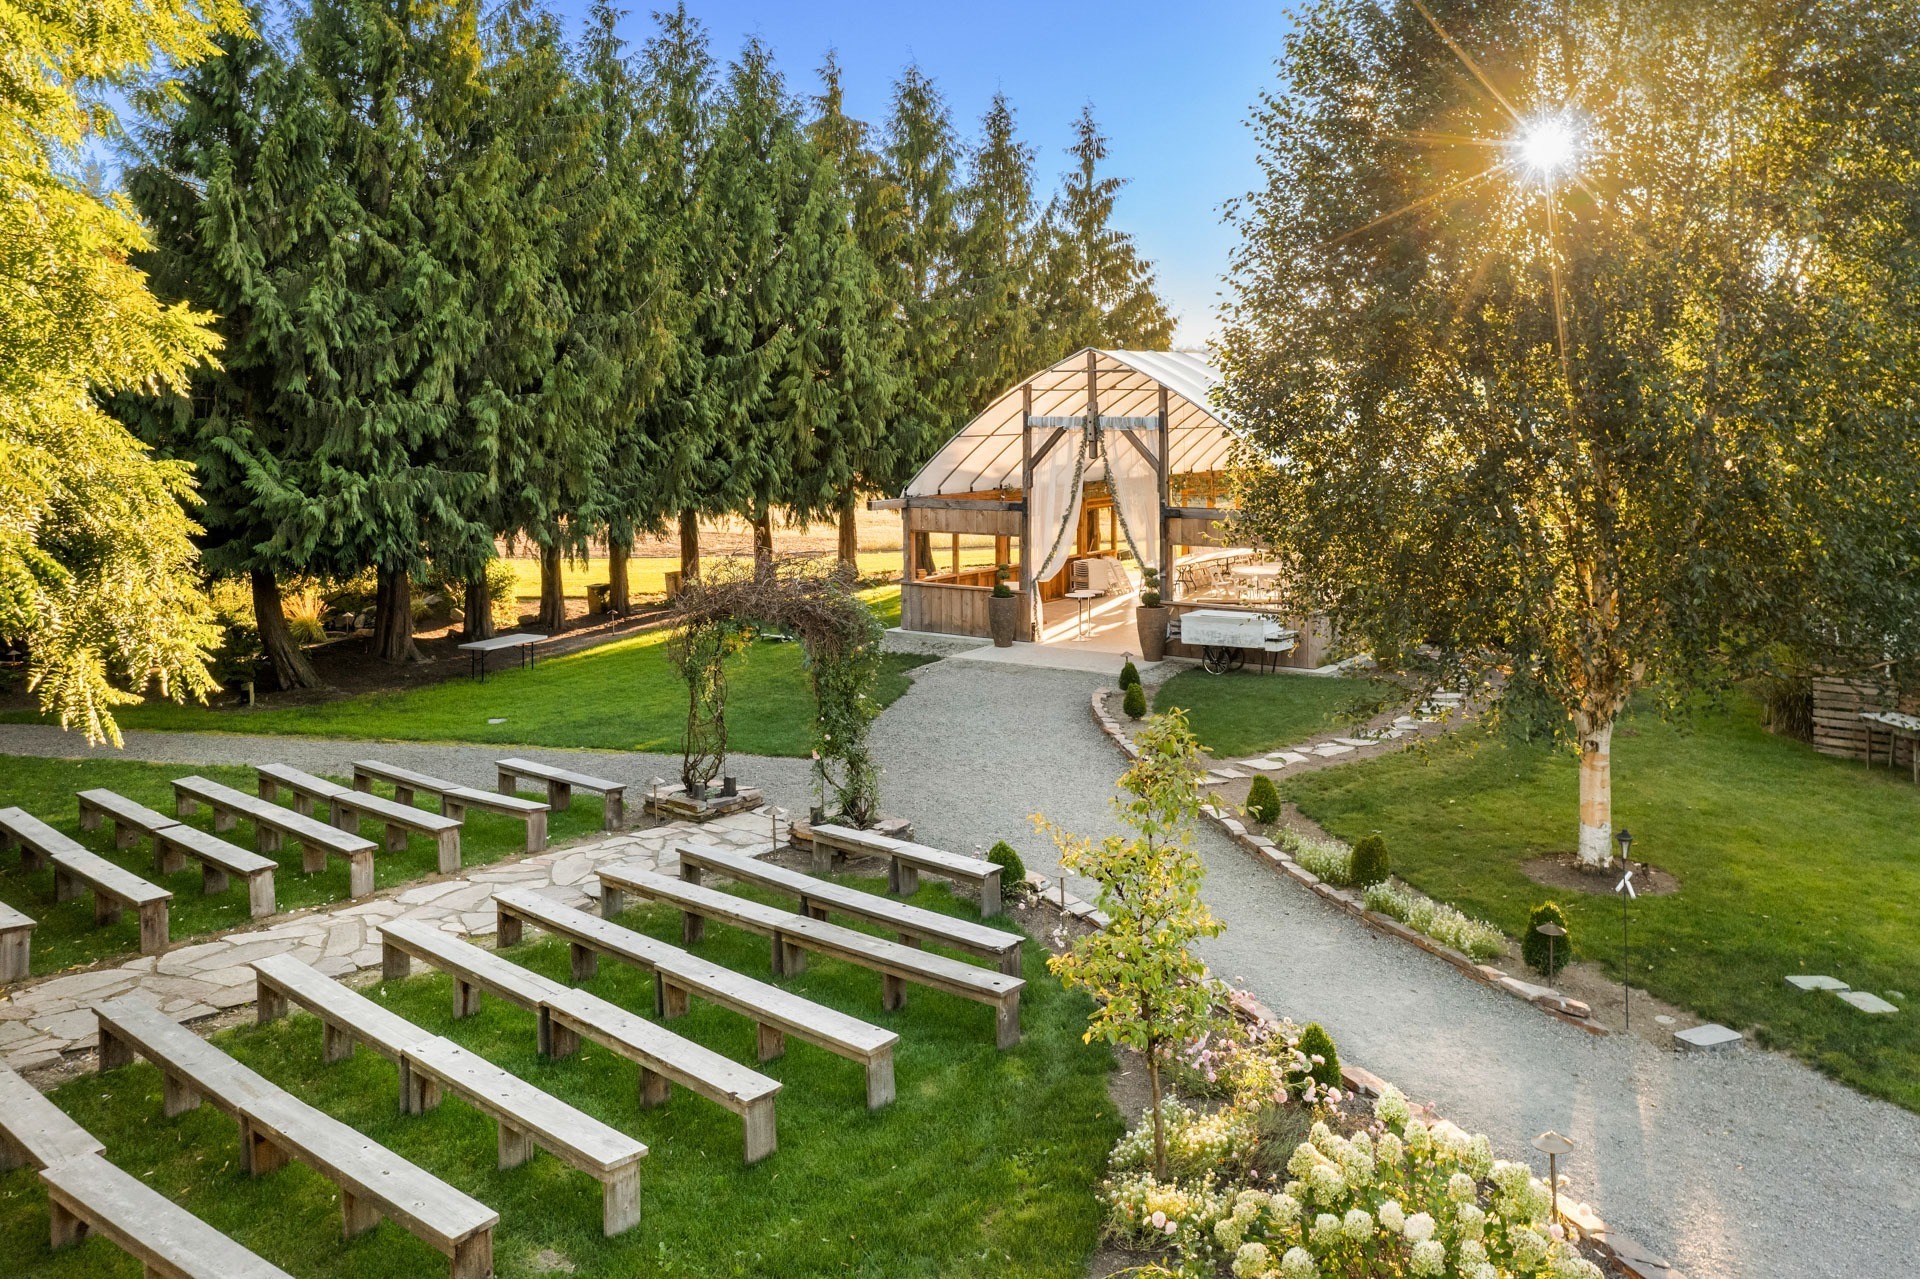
x,y
35,1131
905,861
272,823
114,889
193,1070
913,923
16,944
473,970
454,798
561,783
794,935
350,1018
347,808
37,840
131,821
218,859
93,1196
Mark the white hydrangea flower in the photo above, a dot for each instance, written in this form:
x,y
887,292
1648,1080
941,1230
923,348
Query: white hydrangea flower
x,y
1419,1227
1571,1266
1284,1209
1388,1152
1472,1251
1429,1258
1393,1216
1229,1233
1298,1264
1253,1261
1325,1231
1326,1183
1480,1270
1391,1107
1358,1225
1303,1160
1460,1188
1509,1177
1480,1156
1529,1247
1419,1140
1471,1221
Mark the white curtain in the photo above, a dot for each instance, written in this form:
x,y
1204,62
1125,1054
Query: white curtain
x,y
1136,492
1053,505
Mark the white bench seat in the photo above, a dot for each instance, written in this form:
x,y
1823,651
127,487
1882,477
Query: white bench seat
x,y
272,824
36,840
678,974
16,944
561,783
131,822
473,970
347,1018
794,935
34,1131
817,897
219,860
92,1196
114,889
346,808
454,799
905,861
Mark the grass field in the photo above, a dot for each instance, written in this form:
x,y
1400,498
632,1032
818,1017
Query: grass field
x,y
67,935
1789,862
623,695
984,1165
1244,713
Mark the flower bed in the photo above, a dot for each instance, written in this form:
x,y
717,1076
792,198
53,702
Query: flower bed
x,y
1480,941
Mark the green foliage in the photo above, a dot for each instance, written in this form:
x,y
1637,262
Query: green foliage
x,y
1134,702
1001,572
1543,958
1315,1042
1263,800
1478,941
1371,865
1013,871
1129,674
1150,588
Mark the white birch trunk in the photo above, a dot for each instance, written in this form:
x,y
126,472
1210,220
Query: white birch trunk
x,y
1596,794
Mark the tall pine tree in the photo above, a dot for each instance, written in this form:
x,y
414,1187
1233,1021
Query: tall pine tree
x,y
995,261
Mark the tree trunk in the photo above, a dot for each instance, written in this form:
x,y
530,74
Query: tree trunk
x,y
1159,1124
762,539
553,599
291,669
619,592
393,615
849,533
479,608
689,545
1596,788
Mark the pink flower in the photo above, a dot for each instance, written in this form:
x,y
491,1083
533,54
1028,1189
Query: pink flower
x,y
1159,1220
1171,1227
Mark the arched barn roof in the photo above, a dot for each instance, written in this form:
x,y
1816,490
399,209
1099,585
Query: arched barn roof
x,y
986,454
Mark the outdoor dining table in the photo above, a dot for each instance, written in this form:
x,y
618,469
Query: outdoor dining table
x,y
1897,726
1258,577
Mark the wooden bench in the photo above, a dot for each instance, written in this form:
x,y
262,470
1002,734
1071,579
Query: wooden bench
x,y
37,840
275,1125
567,1015
131,822
678,975
218,859
272,824
114,889
92,1196
905,861
561,783
523,1113
16,944
454,800
34,1131
347,808
794,935
913,924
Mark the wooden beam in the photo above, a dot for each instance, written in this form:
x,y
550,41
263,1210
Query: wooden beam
x,y
1200,512
1027,605
886,504
1133,438
964,504
1043,450
1093,396
1160,489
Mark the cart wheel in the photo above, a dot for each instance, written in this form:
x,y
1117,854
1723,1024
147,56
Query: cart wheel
x,y
1238,659
1216,661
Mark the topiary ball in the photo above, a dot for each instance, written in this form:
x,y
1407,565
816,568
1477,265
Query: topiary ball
x,y
1534,947
1135,702
1263,800
1370,862
1013,871
1129,674
1316,1042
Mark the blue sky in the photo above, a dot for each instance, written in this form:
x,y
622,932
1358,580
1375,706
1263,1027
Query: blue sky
x,y
1170,83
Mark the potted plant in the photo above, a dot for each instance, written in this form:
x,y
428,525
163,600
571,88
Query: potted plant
x,y
1150,618
1003,608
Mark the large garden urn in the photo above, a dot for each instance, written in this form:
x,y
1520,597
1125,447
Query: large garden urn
x,y
1003,617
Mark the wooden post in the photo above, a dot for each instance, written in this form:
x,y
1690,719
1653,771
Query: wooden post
x,y
1164,459
1028,590
908,617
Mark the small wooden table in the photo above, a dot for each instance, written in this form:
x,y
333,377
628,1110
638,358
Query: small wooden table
x,y
478,650
1897,726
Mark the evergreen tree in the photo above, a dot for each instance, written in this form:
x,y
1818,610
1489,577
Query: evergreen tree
x,y
995,262
1092,288
96,558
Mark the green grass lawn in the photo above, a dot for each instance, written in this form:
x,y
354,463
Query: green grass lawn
x,y
1789,862
67,935
984,1165
624,695
1245,713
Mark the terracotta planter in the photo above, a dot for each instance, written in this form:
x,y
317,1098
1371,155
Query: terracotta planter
x,y
1003,619
1152,625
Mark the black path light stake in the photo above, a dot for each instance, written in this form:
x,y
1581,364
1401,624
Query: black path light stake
x,y
1552,932
774,814
1625,889
1553,1145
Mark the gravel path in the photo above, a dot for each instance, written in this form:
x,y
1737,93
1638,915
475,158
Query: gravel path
x,y
1744,1166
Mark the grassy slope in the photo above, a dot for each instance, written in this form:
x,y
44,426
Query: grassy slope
x,y
1790,862
67,935
619,696
984,1164
1242,713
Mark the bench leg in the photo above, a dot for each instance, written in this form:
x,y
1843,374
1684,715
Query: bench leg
x,y
394,962
357,1215
612,900
536,832
466,999
31,859
177,1096
359,874
258,1154
557,1039
225,819
761,1139
586,963
893,992
184,805
336,1044
880,1079
516,1146
313,859
125,836
89,817
153,927
1010,962
654,1089
990,897
396,838
902,880
106,910
448,849
302,804
65,886
615,815
269,1005
507,928
559,796
16,955
213,880
260,899
167,860
508,782
620,1201
362,782
673,1000
912,939
12,1154
1006,1021
115,1052
693,928
689,873
64,1227
822,857
418,1093
771,1041
473,1258
401,794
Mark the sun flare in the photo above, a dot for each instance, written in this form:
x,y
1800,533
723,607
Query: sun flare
x,y
1547,147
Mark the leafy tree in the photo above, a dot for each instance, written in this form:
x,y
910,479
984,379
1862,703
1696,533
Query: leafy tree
x,y
96,558
1153,991
1591,363
995,261
1091,286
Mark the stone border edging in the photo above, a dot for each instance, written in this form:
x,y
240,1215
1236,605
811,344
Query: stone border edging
x,y
1548,1000
1630,1256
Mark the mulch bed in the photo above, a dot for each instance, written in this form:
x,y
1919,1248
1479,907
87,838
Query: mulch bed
x,y
1565,870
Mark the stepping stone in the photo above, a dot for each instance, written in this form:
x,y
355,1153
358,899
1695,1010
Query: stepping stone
x,y
1816,983
1330,749
1292,757
1354,741
1264,765
1230,773
1867,1002
1711,1037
